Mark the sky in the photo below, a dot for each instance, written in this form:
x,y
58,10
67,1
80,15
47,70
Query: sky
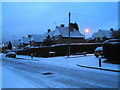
x,y
23,18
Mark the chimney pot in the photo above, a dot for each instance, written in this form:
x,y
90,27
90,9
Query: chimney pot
x,y
49,30
111,29
62,25
29,35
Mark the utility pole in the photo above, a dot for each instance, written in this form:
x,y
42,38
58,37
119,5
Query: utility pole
x,y
69,36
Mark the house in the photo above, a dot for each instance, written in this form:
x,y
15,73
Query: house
x,y
93,37
36,39
61,34
102,35
26,40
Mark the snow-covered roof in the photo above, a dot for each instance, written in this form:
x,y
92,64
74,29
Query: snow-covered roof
x,y
17,42
93,36
48,33
107,33
36,38
64,31
102,33
26,40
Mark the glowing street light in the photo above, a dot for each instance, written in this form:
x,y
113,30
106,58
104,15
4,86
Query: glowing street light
x,y
85,31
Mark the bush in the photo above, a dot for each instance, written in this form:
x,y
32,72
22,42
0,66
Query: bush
x,y
111,50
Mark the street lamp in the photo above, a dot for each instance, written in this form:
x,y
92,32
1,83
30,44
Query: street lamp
x,y
85,31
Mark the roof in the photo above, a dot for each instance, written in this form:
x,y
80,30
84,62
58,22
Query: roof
x,y
26,40
48,33
93,36
64,31
37,38
102,33
107,33
41,38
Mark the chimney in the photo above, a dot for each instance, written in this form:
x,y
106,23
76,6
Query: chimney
x,y
49,30
29,35
19,39
111,29
76,26
62,25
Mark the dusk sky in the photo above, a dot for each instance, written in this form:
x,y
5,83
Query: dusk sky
x,y
22,18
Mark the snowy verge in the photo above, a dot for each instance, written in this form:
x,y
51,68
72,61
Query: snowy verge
x,y
89,60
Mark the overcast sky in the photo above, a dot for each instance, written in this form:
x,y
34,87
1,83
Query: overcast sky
x,y
22,18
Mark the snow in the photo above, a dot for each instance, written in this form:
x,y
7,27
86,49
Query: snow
x,y
56,33
99,49
20,82
102,33
47,33
107,33
11,53
64,32
26,40
63,61
93,36
36,38
72,61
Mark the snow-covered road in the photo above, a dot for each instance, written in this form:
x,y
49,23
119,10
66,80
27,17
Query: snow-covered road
x,y
18,73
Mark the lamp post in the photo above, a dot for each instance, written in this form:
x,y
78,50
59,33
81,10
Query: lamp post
x,y
85,31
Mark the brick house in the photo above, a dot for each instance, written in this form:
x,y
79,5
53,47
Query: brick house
x,y
102,35
61,35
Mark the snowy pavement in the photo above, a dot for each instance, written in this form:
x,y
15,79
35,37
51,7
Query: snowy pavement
x,y
89,60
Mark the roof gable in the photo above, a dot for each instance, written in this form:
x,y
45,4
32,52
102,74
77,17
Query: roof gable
x,y
106,33
26,40
93,36
56,32
64,31
45,35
